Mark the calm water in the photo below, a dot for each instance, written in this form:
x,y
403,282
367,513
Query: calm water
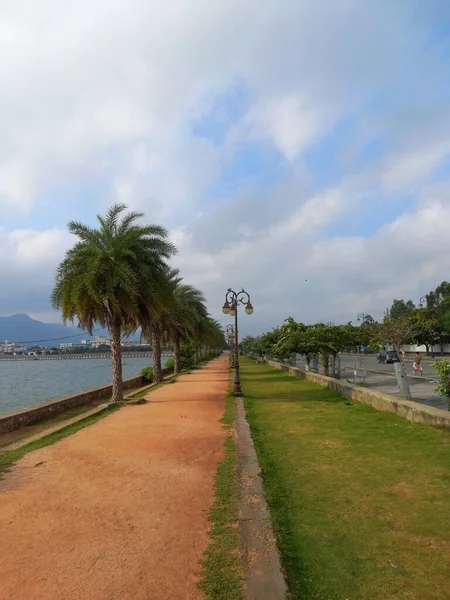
x,y
27,383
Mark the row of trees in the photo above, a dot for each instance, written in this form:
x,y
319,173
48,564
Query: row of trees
x,y
427,325
403,323
313,341
118,276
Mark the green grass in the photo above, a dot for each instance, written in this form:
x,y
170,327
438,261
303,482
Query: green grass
x,y
221,577
360,499
9,457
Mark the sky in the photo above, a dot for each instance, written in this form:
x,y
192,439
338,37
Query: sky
x,y
297,149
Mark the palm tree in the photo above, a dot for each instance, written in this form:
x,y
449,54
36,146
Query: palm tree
x,y
154,311
180,326
104,277
208,334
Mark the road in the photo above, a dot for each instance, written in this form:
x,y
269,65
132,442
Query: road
x,y
371,362
382,377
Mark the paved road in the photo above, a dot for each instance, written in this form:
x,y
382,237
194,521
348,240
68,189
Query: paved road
x,y
371,362
382,377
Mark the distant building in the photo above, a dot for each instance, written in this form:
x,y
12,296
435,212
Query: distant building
x,y
133,344
11,348
436,348
66,346
101,340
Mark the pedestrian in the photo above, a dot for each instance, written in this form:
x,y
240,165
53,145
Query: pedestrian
x,y
417,367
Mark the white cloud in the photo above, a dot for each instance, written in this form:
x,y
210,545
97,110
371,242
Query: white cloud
x,y
294,271
91,84
113,90
290,121
28,261
24,249
414,166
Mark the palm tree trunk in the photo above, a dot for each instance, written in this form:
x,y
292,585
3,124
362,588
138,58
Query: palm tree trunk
x,y
176,355
116,355
197,353
156,354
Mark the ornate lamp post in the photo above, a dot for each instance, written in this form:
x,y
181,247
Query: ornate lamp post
x,y
232,301
230,340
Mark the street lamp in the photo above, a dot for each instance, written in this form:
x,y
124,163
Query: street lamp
x,y
232,301
230,340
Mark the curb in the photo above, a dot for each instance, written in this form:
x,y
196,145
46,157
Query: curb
x,y
263,574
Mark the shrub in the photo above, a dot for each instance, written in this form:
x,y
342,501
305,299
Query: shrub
x,y
188,357
147,374
170,364
442,367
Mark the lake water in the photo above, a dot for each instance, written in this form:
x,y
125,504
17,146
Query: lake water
x,y
27,383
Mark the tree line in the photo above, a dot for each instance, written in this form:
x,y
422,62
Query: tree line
x,y
404,323
118,276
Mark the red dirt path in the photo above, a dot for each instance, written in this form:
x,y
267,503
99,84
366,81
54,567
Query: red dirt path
x,y
119,509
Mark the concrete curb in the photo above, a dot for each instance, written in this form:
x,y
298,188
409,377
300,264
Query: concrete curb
x,y
263,574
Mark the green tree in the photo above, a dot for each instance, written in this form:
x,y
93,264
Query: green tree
x,y
400,308
109,272
442,368
154,312
397,332
180,324
438,305
426,328
251,345
367,321
207,335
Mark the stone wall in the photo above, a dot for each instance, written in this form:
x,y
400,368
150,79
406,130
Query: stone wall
x,y
26,416
407,409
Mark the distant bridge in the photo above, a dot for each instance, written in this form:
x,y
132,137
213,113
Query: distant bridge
x,y
88,356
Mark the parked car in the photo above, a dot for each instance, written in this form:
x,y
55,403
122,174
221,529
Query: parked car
x,y
388,357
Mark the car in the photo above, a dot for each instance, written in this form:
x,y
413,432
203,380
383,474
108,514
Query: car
x,y
388,357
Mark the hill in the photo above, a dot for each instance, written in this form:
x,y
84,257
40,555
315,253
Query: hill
x,y
24,330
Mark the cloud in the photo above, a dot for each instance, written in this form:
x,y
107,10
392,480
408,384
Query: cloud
x,y
295,270
28,263
314,115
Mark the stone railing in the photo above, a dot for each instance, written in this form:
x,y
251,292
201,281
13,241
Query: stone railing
x,y
26,416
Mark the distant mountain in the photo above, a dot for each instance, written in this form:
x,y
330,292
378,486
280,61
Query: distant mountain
x,y
27,331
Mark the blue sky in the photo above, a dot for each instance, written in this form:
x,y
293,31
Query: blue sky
x,y
312,142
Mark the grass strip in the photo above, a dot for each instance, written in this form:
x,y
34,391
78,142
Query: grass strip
x,y
360,499
9,457
221,576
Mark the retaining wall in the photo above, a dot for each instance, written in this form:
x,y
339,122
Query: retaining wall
x,y
26,416
407,409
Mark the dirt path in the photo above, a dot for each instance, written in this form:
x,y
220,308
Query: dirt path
x,y
119,509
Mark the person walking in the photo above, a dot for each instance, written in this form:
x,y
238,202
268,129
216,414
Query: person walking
x,y
417,367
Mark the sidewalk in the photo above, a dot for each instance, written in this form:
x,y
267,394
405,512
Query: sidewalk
x,y
118,511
